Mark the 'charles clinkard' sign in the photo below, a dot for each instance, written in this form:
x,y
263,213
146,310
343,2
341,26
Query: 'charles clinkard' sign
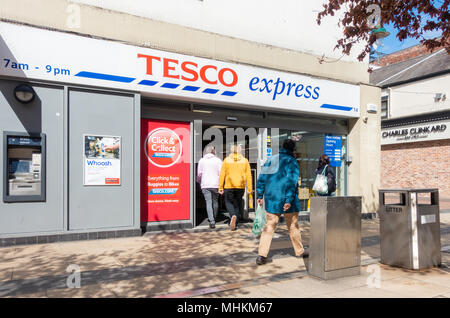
x,y
415,133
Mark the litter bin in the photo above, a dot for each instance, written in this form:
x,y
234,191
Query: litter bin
x,y
410,228
335,239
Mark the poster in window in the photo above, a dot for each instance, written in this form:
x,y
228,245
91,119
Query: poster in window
x,y
165,170
333,149
101,160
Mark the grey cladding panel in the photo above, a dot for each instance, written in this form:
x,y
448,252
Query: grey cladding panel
x,y
109,206
43,115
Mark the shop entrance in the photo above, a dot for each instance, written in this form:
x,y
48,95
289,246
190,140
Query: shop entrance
x,y
309,147
263,133
250,147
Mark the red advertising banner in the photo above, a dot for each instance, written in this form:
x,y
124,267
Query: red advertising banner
x,y
165,170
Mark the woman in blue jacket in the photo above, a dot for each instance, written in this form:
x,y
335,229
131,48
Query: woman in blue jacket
x,y
278,184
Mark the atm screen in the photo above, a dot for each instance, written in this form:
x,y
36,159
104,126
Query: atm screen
x,y
19,166
24,164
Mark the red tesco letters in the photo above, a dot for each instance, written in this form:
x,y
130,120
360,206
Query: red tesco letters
x,y
191,72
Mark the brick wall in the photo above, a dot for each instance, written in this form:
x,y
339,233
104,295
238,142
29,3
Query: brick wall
x,y
403,55
418,165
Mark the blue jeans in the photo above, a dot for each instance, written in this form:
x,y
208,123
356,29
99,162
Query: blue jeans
x,y
212,203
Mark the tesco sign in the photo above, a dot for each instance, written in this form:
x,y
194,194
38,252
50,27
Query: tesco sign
x,y
191,71
69,58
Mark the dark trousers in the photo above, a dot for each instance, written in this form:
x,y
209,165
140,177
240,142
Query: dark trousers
x,y
233,202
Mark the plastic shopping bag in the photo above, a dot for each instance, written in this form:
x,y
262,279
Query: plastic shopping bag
x,y
259,222
321,183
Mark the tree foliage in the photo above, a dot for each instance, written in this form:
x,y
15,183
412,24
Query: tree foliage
x,y
407,16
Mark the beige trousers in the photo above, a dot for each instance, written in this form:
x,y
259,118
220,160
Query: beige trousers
x,y
271,224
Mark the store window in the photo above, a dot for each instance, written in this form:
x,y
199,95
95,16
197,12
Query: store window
x,y
384,107
309,148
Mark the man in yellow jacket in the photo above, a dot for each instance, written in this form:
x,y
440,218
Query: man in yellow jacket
x,y
235,173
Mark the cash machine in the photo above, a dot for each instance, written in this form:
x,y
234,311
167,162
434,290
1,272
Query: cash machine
x,y
23,167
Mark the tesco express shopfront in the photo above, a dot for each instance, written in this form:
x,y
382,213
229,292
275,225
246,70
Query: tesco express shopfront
x,y
110,142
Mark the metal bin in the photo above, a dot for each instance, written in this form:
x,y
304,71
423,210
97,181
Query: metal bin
x,y
409,229
335,242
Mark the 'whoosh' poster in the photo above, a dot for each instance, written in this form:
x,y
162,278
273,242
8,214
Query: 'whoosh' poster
x,y
101,160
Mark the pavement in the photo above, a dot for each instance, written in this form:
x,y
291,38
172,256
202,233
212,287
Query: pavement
x,y
206,263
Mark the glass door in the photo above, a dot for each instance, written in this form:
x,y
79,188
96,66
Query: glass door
x,y
309,147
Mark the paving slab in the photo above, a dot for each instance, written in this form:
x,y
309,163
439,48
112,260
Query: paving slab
x,y
5,274
435,276
97,291
236,276
33,295
45,267
202,264
361,292
306,287
260,291
143,287
408,287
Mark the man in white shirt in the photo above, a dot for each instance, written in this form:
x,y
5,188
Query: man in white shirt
x,y
208,172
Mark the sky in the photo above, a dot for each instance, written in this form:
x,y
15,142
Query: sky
x,y
392,44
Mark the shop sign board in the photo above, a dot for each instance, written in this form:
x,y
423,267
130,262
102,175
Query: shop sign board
x,y
333,149
165,171
414,133
33,53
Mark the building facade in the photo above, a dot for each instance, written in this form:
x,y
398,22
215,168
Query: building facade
x,y
125,97
415,125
